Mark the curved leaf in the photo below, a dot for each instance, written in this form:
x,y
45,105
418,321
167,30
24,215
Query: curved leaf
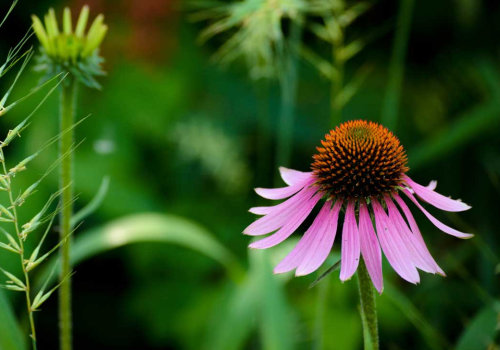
x,y
151,227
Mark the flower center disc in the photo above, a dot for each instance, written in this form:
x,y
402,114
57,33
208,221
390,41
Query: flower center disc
x,y
359,159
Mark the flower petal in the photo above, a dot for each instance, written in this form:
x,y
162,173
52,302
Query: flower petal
x,y
416,236
294,258
284,192
434,198
322,243
350,244
279,214
293,222
435,221
393,246
370,248
432,185
291,176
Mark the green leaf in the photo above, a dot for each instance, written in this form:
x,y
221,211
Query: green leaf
x,y
276,321
152,227
11,337
482,329
258,303
236,317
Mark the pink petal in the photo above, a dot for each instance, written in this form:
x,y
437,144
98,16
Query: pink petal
x,y
435,221
370,248
284,192
277,193
417,248
436,199
350,244
290,226
279,214
291,176
322,243
260,210
432,185
392,245
414,229
294,258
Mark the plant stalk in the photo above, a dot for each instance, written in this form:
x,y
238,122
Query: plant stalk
x,y
337,81
27,291
368,308
67,116
288,87
396,66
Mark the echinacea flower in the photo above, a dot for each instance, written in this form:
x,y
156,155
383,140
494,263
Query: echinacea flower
x,y
69,49
359,170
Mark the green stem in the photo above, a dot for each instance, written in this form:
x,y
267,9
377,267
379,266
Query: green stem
x,y
288,87
337,80
396,66
368,308
67,113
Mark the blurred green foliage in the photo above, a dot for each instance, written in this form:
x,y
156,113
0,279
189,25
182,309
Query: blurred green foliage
x,y
177,134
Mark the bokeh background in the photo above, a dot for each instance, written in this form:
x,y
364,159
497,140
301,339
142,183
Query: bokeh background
x,y
179,134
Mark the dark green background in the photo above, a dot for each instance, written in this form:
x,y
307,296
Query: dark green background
x,y
182,135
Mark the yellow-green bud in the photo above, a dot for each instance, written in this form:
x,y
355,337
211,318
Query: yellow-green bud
x,y
65,49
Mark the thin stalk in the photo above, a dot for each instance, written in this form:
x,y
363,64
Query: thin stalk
x,y
396,66
288,87
263,127
337,80
27,291
67,116
368,308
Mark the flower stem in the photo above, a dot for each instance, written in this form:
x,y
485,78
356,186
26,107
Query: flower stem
x,y
67,112
368,308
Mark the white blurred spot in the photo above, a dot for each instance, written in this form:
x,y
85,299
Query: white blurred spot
x,y
104,146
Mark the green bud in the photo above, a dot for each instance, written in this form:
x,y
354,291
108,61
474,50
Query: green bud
x,y
70,50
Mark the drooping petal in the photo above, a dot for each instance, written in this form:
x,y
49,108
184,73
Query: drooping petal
x,y
294,258
370,248
278,215
415,230
321,245
436,222
416,247
350,244
260,210
393,246
277,193
432,185
291,176
293,222
434,198
284,192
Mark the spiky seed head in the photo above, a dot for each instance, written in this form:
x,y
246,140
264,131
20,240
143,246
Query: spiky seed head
x,y
359,159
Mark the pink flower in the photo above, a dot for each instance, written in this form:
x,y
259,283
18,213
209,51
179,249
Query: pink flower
x,y
359,170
